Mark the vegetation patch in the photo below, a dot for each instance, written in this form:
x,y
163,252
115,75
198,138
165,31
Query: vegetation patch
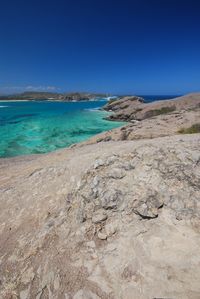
x,y
163,110
191,130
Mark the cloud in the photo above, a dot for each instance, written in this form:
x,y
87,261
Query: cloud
x,y
41,88
6,89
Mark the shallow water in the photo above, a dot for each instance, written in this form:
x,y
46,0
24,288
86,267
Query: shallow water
x,y
40,127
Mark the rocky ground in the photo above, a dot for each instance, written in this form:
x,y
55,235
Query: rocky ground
x,y
151,120
134,108
108,220
157,126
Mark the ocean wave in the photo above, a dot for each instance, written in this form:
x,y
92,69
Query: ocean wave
x,y
92,109
4,106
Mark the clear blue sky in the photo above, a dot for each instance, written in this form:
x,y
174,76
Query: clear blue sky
x,y
141,46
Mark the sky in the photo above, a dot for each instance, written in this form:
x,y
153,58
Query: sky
x,y
144,47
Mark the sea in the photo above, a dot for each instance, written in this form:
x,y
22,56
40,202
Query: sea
x,y
44,126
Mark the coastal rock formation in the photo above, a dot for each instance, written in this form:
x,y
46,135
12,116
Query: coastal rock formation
x,y
134,108
114,220
152,120
81,96
130,102
157,126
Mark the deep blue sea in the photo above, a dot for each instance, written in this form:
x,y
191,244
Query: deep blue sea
x,y
40,127
153,98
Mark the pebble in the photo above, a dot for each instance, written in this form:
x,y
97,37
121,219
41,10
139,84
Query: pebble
x,y
102,236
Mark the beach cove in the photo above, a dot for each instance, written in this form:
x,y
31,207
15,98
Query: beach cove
x,y
41,126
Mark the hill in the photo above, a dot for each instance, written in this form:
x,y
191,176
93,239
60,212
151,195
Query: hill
x,y
49,96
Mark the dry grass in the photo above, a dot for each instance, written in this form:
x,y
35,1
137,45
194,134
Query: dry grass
x,y
163,110
191,130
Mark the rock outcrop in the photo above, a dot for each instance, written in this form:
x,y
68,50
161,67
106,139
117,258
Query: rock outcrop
x,y
178,122
134,108
152,120
124,109
115,220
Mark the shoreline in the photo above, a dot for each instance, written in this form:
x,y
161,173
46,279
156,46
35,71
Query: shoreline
x,y
53,101
165,124
101,118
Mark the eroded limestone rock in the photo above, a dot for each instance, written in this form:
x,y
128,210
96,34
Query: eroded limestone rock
x,y
70,230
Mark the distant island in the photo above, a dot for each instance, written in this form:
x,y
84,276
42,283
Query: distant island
x,y
50,96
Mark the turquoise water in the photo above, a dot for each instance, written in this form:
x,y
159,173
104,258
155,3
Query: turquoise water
x,y
40,127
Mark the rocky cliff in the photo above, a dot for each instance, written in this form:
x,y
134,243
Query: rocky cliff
x,y
162,118
134,108
115,220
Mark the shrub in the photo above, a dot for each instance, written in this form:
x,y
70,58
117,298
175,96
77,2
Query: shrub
x,y
163,110
191,130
